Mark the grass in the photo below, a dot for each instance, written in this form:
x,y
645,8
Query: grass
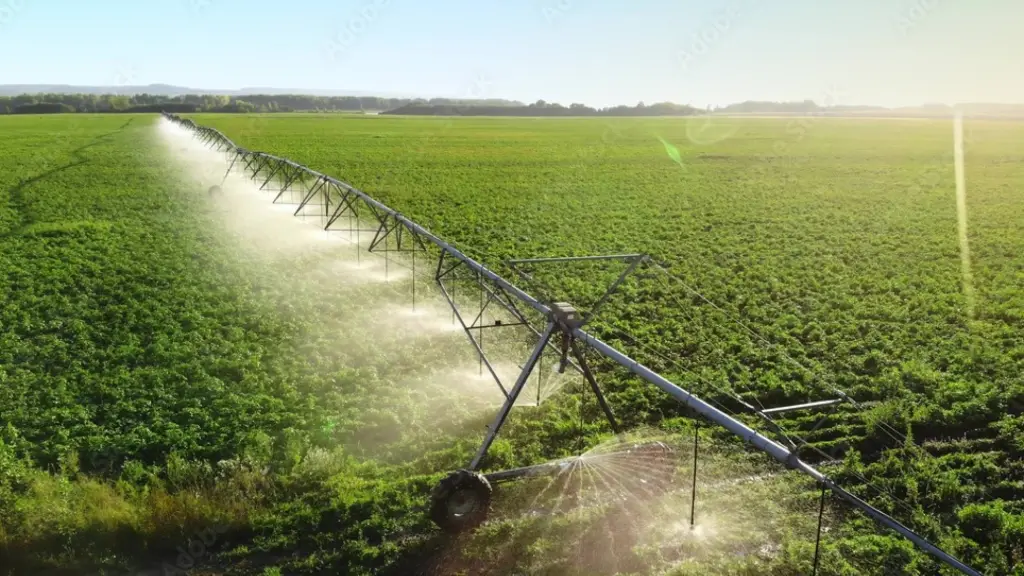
x,y
162,375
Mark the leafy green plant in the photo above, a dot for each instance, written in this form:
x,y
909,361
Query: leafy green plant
x,y
162,374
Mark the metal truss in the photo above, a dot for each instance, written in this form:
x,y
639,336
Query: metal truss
x,y
393,232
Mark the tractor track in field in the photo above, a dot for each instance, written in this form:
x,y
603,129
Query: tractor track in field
x,y
16,195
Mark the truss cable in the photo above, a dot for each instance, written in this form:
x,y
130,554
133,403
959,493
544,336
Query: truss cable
x,y
794,435
789,435
733,425
729,392
887,429
682,309
671,364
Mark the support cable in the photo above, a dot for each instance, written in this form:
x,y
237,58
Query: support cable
x,y
736,427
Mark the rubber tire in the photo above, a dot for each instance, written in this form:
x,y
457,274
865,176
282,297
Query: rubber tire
x,y
468,484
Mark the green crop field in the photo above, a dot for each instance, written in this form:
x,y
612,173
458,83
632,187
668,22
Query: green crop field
x,y
174,372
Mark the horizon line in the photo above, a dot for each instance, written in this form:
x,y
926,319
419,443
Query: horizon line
x,y
358,93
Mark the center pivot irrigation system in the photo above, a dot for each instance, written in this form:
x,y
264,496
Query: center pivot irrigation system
x,y
462,499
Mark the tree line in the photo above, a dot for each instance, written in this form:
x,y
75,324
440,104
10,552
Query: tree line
x,y
542,108
67,103
92,103
58,103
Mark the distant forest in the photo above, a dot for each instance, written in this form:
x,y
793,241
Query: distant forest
x,y
54,103
542,108
68,103
65,103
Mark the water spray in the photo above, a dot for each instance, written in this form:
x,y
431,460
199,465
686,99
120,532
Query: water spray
x,y
462,499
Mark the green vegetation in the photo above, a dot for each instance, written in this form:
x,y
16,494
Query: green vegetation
x,y
542,108
42,99
53,103
166,382
50,103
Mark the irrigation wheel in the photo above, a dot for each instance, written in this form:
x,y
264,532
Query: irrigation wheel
x,y
461,501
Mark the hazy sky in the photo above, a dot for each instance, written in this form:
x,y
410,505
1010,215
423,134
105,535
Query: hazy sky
x,y
599,52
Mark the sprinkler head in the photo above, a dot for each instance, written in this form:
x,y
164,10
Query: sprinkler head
x,y
568,464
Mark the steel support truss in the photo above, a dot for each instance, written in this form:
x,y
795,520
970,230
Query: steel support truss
x,y
339,199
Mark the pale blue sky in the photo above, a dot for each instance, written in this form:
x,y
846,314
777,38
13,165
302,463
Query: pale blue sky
x,y
599,52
